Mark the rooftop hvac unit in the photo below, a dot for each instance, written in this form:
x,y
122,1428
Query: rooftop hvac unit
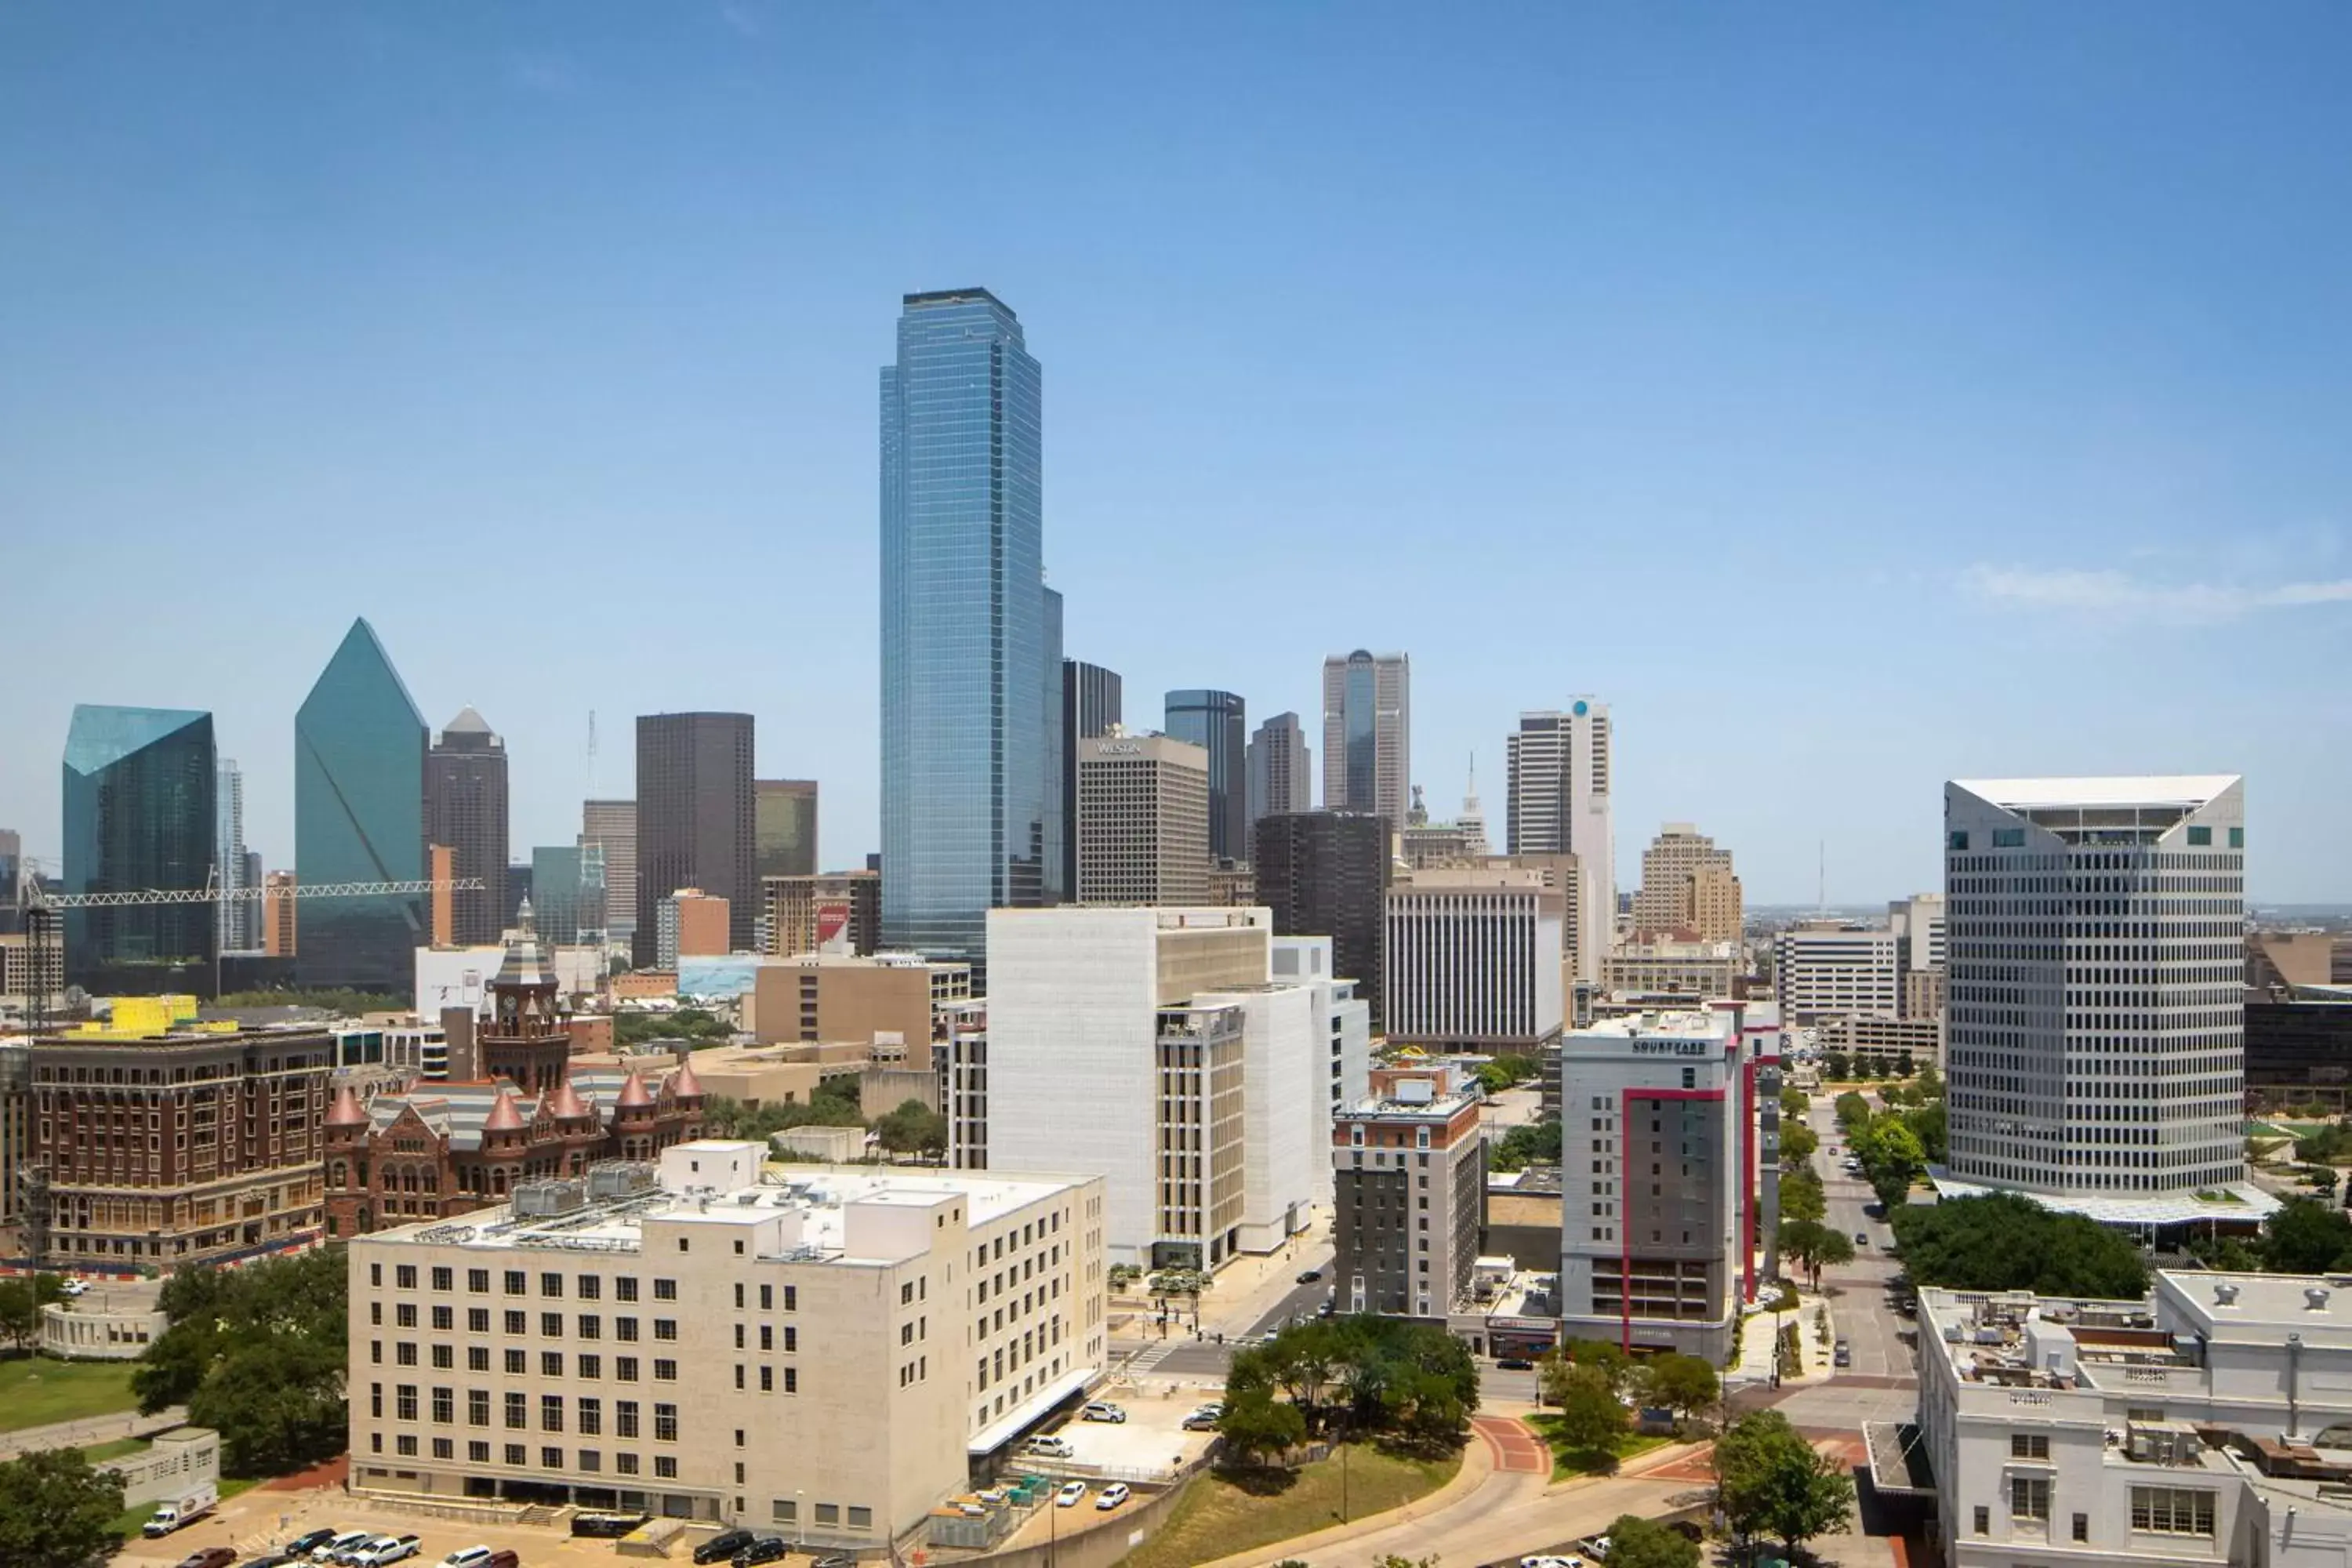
x,y
619,1179
538,1200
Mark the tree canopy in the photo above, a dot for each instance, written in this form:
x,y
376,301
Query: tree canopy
x,y
1591,1418
256,1352
1798,1143
1802,1196
1814,1246
1529,1143
1683,1384
1638,1542
2003,1242
55,1509
1371,1374
1773,1483
913,1128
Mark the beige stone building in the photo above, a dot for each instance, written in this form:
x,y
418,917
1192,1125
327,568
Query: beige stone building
x,y
840,998
820,1351
1143,821
1688,885
1700,970
831,909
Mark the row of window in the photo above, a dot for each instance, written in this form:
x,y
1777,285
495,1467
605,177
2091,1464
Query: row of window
x,y
517,1282
587,1461
517,1363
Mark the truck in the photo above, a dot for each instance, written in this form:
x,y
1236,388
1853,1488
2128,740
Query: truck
x,y
190,1504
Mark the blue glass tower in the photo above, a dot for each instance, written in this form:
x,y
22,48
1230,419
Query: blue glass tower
x,y
1219,722
138,813
359,816
970,789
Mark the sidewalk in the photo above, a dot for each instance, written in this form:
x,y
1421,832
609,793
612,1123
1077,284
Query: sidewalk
x,y
89,1431
1248,1287
1755,1337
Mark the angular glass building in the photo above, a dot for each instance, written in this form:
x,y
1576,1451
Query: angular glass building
x,y
359,816
139,800
971,796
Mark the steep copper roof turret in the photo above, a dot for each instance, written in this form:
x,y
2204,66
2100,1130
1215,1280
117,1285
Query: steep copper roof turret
x,y
683,1083
565,1104
633,1095
505,1116
348,1111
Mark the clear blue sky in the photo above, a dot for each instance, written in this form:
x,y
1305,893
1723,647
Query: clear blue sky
x,y
1855,396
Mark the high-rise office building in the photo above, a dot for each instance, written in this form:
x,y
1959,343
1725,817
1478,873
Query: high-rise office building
x,y
1560,778
1833,969
1218,722
237,926
1143,821
1687,884
1091,709
1281,772
558,903
971,785
279,907
12,863
1474,961
466,809
359,816
695,819
1326,873
140,790
2096,962
1060,759
784,816
806,913
612,825
1368,734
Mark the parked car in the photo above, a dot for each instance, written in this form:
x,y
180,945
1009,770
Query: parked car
x,y
1112,1496
1514,1364
767,1549
1310,1275
273,1560
209,1557
349,1541
387,1550
835,1560
474,1557
1102,1410
1552,1561
722,1547
1051,1447
1072,1494
1202,1421
348,1556
1842,1355
74,1287
607,1526
305,1544
1861,1238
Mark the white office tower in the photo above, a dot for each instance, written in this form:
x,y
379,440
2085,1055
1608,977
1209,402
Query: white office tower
x,y
2096,955
1156,1049
1345,1026
240,920
1833,969
1473,960
1558,763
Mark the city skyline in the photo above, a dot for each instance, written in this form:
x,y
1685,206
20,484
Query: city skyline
x,y
2005,366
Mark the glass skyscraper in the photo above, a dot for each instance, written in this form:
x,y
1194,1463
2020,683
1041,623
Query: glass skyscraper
x,y
1219,722
139,796
359,816
971,796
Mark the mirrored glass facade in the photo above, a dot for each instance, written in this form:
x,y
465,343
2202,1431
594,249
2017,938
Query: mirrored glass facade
x,y
1219,722
359,816
784,821
139,801
971,786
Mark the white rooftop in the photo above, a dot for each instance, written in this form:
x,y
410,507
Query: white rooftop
x,y
2168,789
2251,1203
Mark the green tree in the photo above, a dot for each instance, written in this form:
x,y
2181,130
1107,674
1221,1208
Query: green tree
x,y
1930,1083
1798,1143
56,1511
1529,1143
2003,1242
1772,1482
1891,1158
1794,1104
1591,1418
20,1314
1837,1067
1929,1125
1802,1196
1638,1542
1681,1384
1852,1111
257,1353
2306,1236
1258,1425
1606,1355
1813,1247
913,1128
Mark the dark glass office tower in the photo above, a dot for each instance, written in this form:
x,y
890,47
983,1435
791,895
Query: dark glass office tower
x,y
697,823
1218,722
783,818
1326,873
1089,708
465,808
967,759
138,813
359,816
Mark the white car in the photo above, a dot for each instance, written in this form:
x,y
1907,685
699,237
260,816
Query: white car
x,y
74,1287
1102,1410
1051,1447
466,1557
385,1550
1072,1494
1551,1563
1112,1496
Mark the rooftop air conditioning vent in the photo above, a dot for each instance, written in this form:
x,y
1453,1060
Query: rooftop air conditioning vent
x,y
2225,1294
2316,1298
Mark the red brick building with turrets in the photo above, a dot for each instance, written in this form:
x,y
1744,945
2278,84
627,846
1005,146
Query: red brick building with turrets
x,y
438,1150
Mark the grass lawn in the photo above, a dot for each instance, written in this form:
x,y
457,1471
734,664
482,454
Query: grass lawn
x,y
1226,1513
1589,1462
98,1453
36,1390
128,1522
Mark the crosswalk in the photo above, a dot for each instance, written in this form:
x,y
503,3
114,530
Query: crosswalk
x,y
1151,1355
